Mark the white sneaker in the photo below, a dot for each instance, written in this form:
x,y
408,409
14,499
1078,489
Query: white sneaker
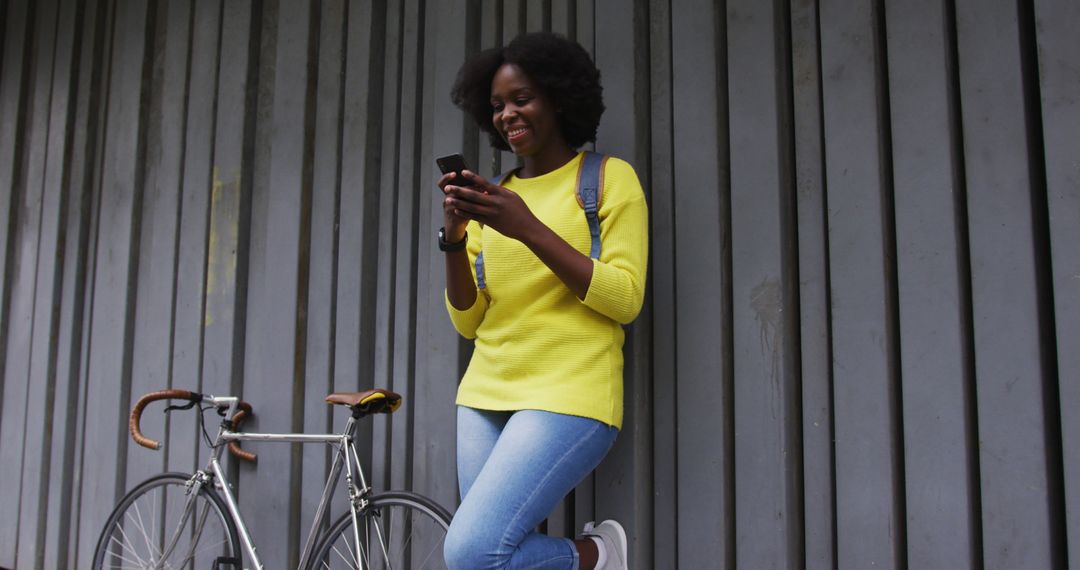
x,y
613,536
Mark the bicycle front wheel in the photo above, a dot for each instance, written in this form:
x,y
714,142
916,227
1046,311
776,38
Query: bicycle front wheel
x,y
163,523
397,530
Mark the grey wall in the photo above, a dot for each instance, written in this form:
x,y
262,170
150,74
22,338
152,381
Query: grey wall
x,y
859,346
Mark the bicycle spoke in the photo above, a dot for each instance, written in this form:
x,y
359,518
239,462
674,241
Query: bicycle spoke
x,y
428,557
147,536
354,562
381,540
141,527
396,532
131,545
138,562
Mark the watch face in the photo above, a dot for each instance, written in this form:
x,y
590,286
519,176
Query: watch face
x,y
444,246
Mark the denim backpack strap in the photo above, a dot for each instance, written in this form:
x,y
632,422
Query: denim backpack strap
x,y
590,188
481,280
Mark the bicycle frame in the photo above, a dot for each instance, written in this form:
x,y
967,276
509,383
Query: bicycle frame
x,y
346,454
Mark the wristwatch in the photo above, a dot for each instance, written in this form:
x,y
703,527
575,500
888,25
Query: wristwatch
x,y
444,246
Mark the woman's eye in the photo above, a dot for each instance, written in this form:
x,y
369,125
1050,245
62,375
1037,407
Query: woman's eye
x,y
521,102
497,107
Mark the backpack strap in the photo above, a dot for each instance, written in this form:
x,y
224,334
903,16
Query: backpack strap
x,y
481,281
590,191
590,188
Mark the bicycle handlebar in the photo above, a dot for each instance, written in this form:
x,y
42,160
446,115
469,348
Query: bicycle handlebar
x,y
244,410
234,446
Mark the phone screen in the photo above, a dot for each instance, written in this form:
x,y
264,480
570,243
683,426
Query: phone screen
x,y
453,163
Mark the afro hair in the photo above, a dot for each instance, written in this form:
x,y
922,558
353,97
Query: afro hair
x,y
562,70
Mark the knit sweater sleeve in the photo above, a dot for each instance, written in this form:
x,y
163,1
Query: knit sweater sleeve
x,y
466,322
617,289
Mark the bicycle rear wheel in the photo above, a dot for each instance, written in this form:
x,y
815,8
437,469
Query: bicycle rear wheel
x,y
161,524
397,530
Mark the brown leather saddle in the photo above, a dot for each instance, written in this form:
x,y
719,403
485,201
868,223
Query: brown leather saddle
x,y
377,401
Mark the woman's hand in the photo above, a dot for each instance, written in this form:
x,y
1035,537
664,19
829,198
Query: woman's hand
x,y
491,205
453,221
505,211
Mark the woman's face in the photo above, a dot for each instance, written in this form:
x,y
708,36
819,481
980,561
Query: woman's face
x,y
522,115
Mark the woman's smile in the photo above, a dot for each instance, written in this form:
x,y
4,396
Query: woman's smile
x,y
516,135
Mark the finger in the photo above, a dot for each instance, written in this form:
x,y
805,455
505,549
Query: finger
x,y
472,207
444,180
470,195
457,207
469,216
479,182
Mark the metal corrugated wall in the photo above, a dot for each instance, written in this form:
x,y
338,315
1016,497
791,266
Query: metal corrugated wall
x,y
861,341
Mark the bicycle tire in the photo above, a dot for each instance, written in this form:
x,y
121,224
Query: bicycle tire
x,y
215,546
419,522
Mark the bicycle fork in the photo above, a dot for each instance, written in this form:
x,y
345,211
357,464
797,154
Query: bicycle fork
x,y
196,483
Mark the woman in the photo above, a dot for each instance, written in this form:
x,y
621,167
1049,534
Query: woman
x,y
541,402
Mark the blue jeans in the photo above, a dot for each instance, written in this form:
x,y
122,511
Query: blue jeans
x,y
513,468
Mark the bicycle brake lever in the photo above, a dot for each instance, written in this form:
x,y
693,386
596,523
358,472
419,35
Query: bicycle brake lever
x,y
188,406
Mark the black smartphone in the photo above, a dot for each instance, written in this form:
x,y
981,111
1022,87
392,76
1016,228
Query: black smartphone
x,y
454,163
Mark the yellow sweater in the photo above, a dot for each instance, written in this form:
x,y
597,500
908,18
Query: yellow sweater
x,y
537,345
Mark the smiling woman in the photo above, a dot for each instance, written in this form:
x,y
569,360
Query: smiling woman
x,y
542,268
562,70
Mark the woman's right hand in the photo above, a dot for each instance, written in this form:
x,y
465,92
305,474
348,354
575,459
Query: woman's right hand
x,y
453,219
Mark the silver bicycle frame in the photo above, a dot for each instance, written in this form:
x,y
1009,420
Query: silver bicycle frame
x,y
345,454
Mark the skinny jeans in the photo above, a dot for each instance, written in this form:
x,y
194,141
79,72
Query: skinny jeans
x,y
513,468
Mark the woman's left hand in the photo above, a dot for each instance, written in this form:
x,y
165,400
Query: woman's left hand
x,y
492,205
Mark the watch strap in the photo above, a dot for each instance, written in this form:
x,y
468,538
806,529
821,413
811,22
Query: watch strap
x,y
445,246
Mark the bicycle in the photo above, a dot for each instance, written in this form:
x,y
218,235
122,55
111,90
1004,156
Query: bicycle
x,y
178,520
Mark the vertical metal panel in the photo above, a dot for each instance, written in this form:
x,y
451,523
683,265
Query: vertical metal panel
x,y
152,350
623,478
490,35
319,359
358,241
869,516
62,515
196,176
14,64
281,204
538,16
110,338
386,231
659,188
766,502
407,193
201,64
513,23
47,169
223,188
1016,500
1059,73
438,358
562,20
819,501
938,433
28,203
86,163
703,289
